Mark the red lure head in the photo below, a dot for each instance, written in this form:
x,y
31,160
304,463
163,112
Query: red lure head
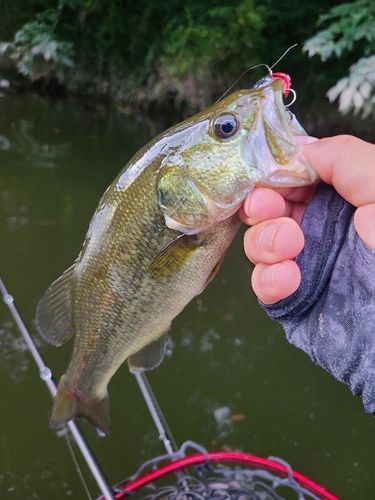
x,y
286,81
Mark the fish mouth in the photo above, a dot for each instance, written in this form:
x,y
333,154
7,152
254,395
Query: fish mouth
x,y
270,144
266,155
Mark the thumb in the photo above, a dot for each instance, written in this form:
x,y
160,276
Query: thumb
x,y
346,162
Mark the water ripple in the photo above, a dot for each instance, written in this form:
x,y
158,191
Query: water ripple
x,y
13,358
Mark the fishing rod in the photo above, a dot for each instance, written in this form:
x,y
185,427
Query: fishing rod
x,y
46,375
165,434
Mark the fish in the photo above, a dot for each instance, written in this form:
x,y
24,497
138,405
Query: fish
x,y
159,236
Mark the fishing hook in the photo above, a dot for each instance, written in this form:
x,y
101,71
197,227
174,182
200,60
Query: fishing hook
x,y
293,100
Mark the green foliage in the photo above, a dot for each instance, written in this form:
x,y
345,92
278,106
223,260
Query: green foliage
x,y
152,51
349,24
36,50
204,48
351,27
221,37
356,91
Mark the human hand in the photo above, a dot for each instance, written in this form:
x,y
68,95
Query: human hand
x,y
275,237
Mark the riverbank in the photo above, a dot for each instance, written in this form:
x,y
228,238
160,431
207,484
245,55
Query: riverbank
x,y
171,100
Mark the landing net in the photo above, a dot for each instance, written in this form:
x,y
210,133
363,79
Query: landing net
x,y
219,476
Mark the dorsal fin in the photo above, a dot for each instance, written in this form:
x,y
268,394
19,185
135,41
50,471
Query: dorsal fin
x,y
54,312
150,356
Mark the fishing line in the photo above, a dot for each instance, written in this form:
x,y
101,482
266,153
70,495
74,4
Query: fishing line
x,y
258,66
281,57
66,260
76,464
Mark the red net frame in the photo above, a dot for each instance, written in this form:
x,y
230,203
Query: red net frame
x,y
128,487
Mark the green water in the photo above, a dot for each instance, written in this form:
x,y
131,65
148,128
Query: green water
x,y
230,380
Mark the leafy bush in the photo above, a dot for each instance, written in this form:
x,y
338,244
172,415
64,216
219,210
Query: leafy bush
x,y
36,51
352,26
223,36
205,46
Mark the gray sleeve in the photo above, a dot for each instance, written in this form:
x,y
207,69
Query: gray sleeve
x,y
332,314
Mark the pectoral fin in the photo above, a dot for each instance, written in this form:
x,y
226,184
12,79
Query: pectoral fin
x,y
174,257
150,356
213,273
54,312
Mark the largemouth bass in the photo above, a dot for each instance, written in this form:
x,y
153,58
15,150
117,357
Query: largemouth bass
x,y
158,237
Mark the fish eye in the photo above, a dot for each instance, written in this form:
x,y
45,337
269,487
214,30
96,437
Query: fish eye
x,y
226,126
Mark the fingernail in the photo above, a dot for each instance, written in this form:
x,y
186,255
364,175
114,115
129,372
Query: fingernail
x,y
247,204
303,140
267,237
268,275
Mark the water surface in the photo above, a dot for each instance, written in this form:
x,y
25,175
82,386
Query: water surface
x,y
230,380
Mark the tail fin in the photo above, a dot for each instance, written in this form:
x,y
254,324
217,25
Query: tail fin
x,y
68,406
